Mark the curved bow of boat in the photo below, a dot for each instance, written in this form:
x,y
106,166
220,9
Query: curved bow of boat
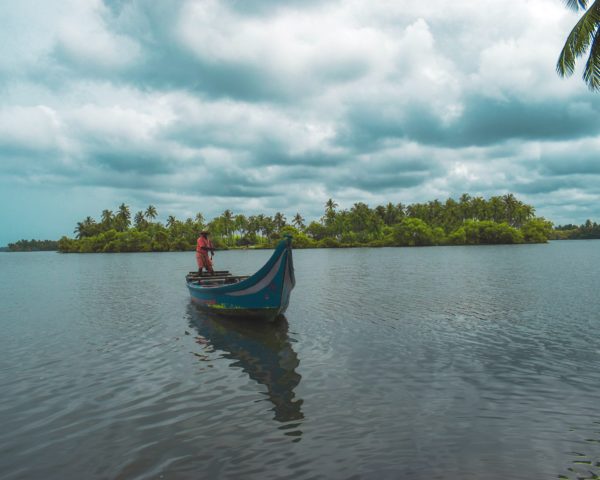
x,y
265,294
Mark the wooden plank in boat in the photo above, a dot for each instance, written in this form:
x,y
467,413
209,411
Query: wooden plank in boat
x,y
208,279
219,281
217,272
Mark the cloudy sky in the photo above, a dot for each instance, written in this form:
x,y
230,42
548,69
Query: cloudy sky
x,y
269,105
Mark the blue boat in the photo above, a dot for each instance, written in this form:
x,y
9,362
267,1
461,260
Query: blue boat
x,y
264,295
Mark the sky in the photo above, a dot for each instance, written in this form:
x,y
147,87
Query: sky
x,y
260,106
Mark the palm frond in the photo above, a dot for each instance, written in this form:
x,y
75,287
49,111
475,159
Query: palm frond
x,y
591,73
576,4
579,40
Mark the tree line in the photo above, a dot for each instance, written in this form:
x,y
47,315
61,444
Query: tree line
x,y
33,246
585,231
466,221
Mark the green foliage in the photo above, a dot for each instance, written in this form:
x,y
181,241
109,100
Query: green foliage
x,y
412,232
537,230
490,233
317,231
33,246
457,237
329,242
584,37
301,240
588,230
468,220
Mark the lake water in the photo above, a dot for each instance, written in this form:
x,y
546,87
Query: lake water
x,y
422,363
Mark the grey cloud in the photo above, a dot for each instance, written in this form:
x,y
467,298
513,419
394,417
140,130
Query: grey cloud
x,y
262,7
382,136
311,158
145,163
484,121
382,182
488,121
572,163
547,185
165,63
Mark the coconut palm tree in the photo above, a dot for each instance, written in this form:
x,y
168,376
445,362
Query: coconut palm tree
x,y
329,216
241,224
151,212
123,218
298,221
279,221
87,228
139,221
171,221
330,206
227,223
107,218
584,36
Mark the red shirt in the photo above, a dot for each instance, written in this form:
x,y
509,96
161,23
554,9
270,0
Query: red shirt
x,y
203,244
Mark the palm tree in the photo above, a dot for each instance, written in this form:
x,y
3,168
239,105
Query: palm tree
x,y
268,226
123,218
584,36
87,228
496,209
298,221
330,206
171,221
241,224
253,225
478,207
79,230
391,214
510,206
279,221
107,218
228,224
151,212
139,220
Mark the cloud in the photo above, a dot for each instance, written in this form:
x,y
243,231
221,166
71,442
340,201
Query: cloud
x,y
280,105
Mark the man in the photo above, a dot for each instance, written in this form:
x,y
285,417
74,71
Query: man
x,y
203,246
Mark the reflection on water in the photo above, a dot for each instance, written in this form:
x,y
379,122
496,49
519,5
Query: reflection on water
x,y
585,463
263,351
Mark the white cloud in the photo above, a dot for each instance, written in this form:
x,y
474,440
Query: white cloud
x,y
339,99
83,38
29,128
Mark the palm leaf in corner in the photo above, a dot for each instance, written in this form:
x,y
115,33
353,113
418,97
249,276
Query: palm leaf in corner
x,y
584,36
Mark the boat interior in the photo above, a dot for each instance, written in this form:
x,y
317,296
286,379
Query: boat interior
x,y
215,279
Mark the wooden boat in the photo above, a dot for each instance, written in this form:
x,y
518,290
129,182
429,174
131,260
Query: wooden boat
x,y
264,295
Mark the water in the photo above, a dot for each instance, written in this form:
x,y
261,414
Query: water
x,y
458,362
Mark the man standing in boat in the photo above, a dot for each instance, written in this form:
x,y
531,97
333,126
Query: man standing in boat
x,y
203,246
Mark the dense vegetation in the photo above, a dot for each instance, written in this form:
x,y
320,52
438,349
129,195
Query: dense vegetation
x,y
33,246
467,221
586,231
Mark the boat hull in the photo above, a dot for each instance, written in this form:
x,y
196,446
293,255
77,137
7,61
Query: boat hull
x,y
265,295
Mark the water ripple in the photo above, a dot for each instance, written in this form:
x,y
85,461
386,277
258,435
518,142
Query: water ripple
x,y
475,363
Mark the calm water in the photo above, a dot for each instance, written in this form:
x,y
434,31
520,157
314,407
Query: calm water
x,y
459,362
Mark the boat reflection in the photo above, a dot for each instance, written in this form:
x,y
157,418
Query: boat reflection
x,y
263,350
